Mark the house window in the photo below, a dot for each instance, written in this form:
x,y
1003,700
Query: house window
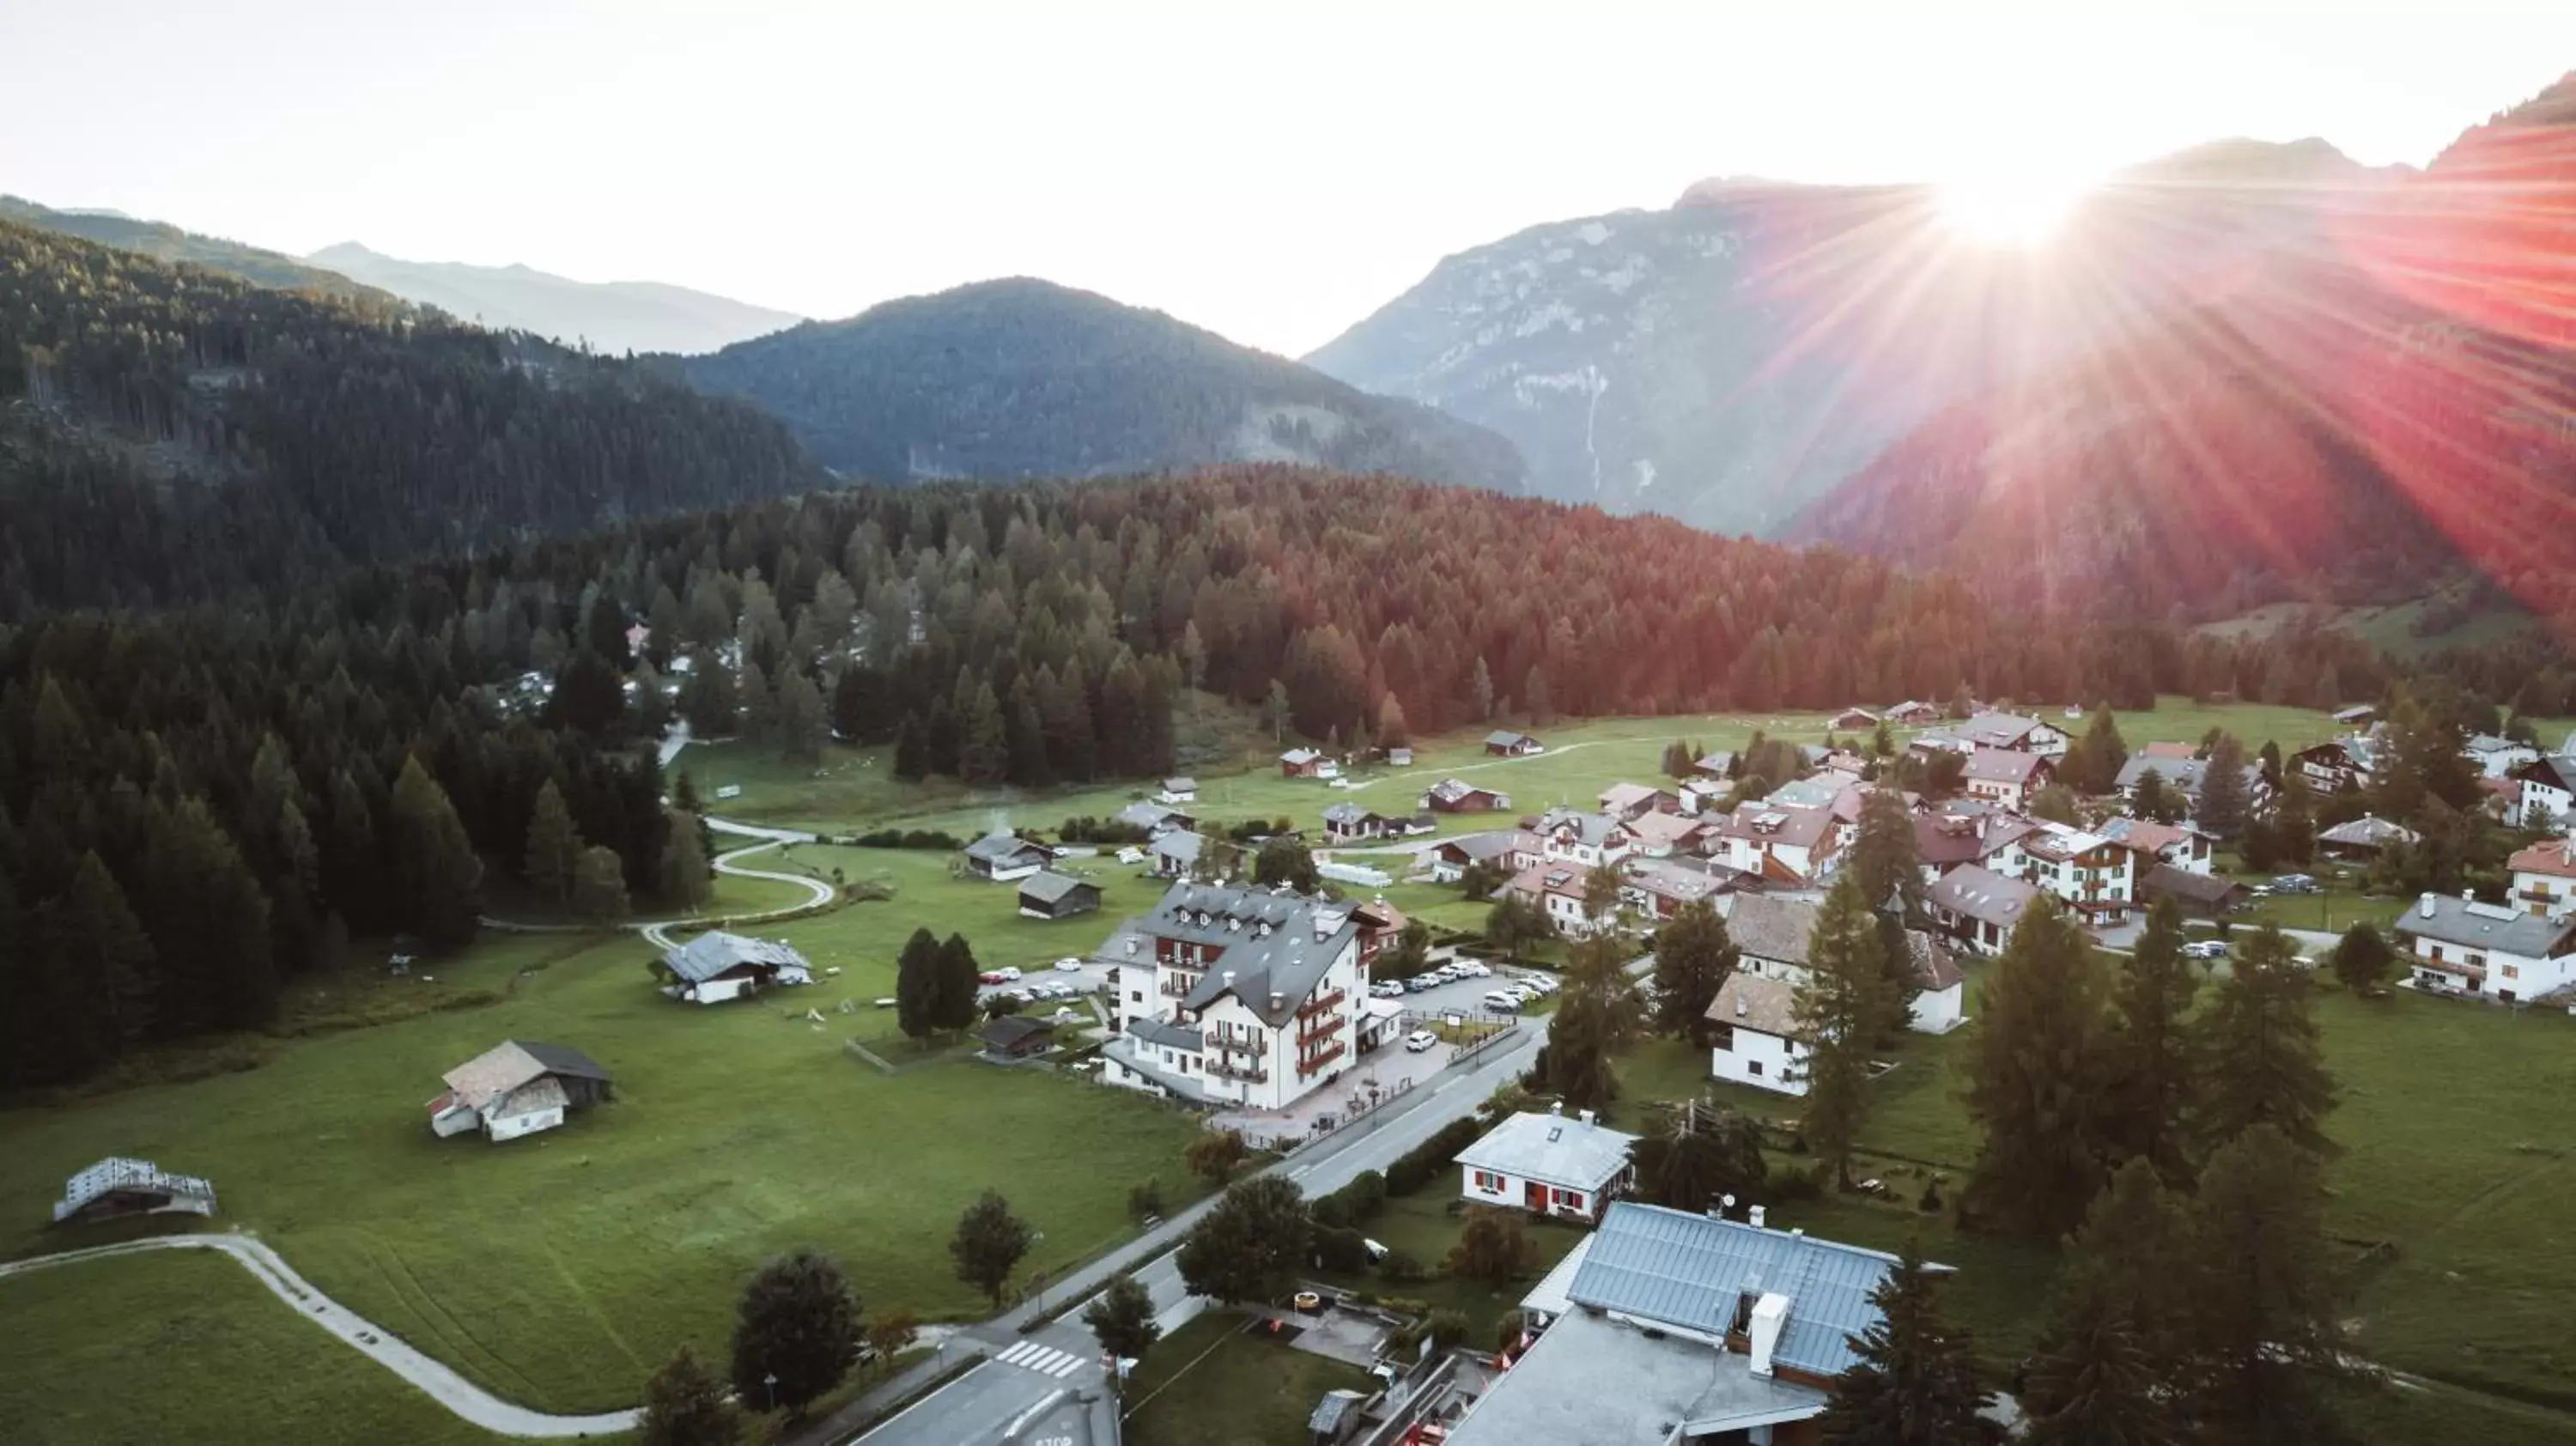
x,y
1753,1066
1135,996
1489,1182
1724,1035
1569,1199
2513,971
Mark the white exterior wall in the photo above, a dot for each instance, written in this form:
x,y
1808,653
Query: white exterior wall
x,y
2561,891
1936,1011
2008,794
1764,1061
2543,803
1513,1191
717,991
1014,875
2503,760
510,1127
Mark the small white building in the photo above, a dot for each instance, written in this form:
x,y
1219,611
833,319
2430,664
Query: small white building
x,y
1178,790
119,1186
2544,876
2487,951
1005,857
1583,839
717,966
1754,1038
2548,794
2497,757
2180,846
1548,1165
1979,907
2005,776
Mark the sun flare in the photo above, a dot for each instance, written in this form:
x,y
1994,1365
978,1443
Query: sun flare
x,y
2015,210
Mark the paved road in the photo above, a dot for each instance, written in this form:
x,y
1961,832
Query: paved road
x,y
444,1386
980,1407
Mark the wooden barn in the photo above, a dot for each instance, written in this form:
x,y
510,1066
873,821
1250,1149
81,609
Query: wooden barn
x,y
119,1186
516,1089
1051,895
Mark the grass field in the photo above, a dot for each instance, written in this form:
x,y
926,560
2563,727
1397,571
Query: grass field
x,y
1420,1225
2458,1152
558,1270
1210,1384
185,1346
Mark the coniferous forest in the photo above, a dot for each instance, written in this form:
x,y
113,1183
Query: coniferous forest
x,y
304,607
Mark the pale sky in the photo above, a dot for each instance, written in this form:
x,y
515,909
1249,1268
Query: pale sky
x,y
1272,171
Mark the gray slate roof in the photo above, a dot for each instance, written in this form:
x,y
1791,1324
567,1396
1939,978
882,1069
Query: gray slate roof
x,y
716,951
1558,1149
1687,1271
1591,1379
1179,845
1048,886
1147,815
2002,765
1506,739
1163,1034
1274,943
1002,848
2369,831
2184,774
1982,894
1770,927
2495,927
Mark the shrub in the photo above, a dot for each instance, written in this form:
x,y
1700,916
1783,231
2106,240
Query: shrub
x,y
1446,1328
1341,1250
1331,1212
915,838
1418,1166
1145,1202
1787,1185
1401,1267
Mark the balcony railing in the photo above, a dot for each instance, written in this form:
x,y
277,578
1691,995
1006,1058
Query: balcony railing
x,y
1248,1073
1310,1030
1177,986
1314,1063
2536,896
1238,1044
1314,1007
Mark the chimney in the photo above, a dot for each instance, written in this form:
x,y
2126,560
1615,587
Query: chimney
x,y
1586,1116
1739,1005
2425,905
2468,896
1229,979
1277,1001
1770,1317
1556,1107
1753,1215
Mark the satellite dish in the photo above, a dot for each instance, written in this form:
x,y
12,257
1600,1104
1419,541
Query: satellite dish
x,y
1726,1200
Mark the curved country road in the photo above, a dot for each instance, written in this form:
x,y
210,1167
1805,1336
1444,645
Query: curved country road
x,y
443,1385
656,931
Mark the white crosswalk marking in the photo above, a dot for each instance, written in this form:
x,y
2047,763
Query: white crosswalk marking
x,y
1045,1360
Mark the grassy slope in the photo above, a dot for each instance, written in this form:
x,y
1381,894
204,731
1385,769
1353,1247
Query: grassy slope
x,y
2457,1151
1209,1384
187,1347
557,1270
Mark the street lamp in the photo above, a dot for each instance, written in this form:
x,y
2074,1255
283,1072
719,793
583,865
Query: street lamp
x,y
771,1381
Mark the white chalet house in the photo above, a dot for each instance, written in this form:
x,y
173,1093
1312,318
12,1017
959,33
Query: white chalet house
x,y
2497,757
1781,845
2544,876
1548,1165
1235,996
2180,845
2488,951
2088,873
1755,1039
1583,839
2548,794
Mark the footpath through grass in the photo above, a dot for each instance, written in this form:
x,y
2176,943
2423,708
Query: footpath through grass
x,y
558,1270
185,1346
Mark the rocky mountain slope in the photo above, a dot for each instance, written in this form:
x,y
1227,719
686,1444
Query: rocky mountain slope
x,y
1023,378
1731,358
2375,400
614,317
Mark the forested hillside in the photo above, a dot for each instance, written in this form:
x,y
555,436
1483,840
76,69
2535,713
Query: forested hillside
x,y
197,807
1020,379
164,242
169,433
2356,418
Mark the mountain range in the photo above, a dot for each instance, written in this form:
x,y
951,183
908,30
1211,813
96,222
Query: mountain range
x,y
1023,378
613,317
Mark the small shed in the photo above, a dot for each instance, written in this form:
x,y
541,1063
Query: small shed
x,y
120,1185
2207,895
1337,1418
1004,857
1502,743
1015,1036
2364,838
1050,895
1179,789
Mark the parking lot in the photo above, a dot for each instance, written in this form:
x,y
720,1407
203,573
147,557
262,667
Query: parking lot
x,y
1466,997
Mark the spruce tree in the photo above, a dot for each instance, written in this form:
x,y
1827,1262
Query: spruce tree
x,y
2093,764
2264,1324
599,885
1842,1008
433,864
685,884
988,1245
957,974
1693,957
554,847
2362,959
2091,1382
917,1009
2132,1249
802,725
984,748
1914,1383
2223,804
2147,1057
2259,1055
2034,1079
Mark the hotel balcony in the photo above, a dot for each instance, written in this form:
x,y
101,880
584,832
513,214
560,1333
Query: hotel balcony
x,y
1314,1007
1314,1063
1254,1045
1220,1068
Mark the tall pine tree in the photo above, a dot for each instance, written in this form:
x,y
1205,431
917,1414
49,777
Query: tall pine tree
x,y
1914,1383
2148,1065
2034,1080
436,874
1842,1008
2260,1060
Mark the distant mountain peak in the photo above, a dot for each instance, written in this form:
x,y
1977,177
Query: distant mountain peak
x,y
612,316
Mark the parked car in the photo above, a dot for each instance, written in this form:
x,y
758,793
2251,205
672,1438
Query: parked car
x,y
1420,982
1536,983
1068,966
1387,989
1505,1000
992,976
1474,968
1420,1040
1008,974
2205,949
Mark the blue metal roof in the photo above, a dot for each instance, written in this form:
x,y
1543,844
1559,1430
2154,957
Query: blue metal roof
x,y
1687,1271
